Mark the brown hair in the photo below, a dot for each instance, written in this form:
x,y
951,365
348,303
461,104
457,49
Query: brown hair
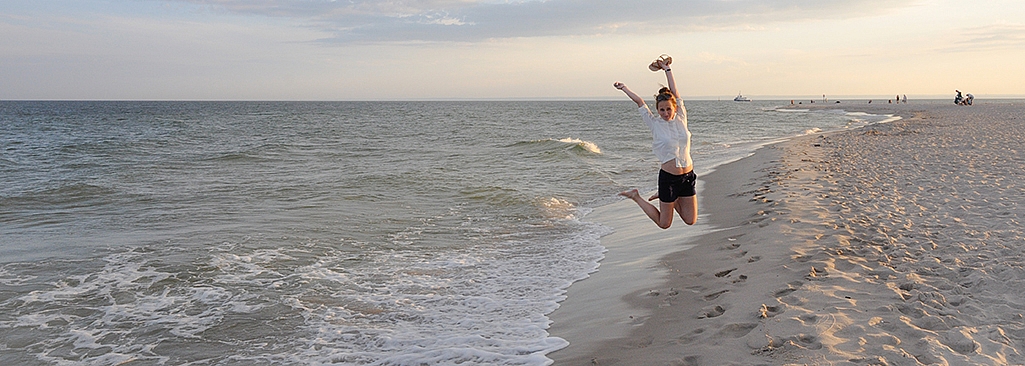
x,y
665,94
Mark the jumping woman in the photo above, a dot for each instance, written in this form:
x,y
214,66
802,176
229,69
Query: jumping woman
x,y
671,145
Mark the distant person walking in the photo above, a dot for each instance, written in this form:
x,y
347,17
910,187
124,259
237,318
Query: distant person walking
x,y
671,145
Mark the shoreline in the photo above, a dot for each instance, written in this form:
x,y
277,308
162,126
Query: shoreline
x,y
788,267
621,314
634,260
625,290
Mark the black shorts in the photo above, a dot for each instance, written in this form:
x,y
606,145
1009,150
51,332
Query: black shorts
x,y
671,187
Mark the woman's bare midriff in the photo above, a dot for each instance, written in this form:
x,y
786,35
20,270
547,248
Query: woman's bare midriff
x,y
671,168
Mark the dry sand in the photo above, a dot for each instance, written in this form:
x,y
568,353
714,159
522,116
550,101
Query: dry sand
x,y
895,244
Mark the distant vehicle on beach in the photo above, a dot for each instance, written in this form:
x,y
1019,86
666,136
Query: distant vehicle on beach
x,y
741,98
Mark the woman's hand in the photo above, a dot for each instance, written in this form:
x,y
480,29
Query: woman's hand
x,y
633,96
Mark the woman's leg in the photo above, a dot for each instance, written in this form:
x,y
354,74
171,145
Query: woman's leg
x,y
663,221
687,207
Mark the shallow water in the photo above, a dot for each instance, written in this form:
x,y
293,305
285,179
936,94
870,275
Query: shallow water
x,y
320,232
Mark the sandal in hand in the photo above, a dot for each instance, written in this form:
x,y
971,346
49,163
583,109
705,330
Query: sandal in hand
x,y
664,59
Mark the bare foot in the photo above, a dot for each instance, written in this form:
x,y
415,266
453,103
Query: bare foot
x,y
631,194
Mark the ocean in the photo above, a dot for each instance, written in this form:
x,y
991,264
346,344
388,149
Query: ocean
x,y
348,233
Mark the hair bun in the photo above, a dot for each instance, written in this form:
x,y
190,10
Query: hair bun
x,y
665,94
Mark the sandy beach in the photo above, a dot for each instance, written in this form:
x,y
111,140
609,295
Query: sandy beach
x,y
895,244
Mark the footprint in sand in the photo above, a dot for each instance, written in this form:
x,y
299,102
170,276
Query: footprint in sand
x,y
715,295
725,272
735,330
690,337
806,341
770,311
711,312
961,341
754,259
784,292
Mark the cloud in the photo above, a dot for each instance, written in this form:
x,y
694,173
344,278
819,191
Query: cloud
x,y
369,21
1003,36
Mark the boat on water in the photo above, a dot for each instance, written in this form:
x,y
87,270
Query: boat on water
x,y
741,98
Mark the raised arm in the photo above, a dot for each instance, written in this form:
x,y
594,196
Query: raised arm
x,y
633,96
670,79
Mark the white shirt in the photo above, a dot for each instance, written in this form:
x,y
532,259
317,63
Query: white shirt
x,y
671,139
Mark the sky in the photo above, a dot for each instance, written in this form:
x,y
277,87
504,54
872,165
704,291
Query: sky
x,y
512,49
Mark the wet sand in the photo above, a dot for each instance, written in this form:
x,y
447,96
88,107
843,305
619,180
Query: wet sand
x,y
899,244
